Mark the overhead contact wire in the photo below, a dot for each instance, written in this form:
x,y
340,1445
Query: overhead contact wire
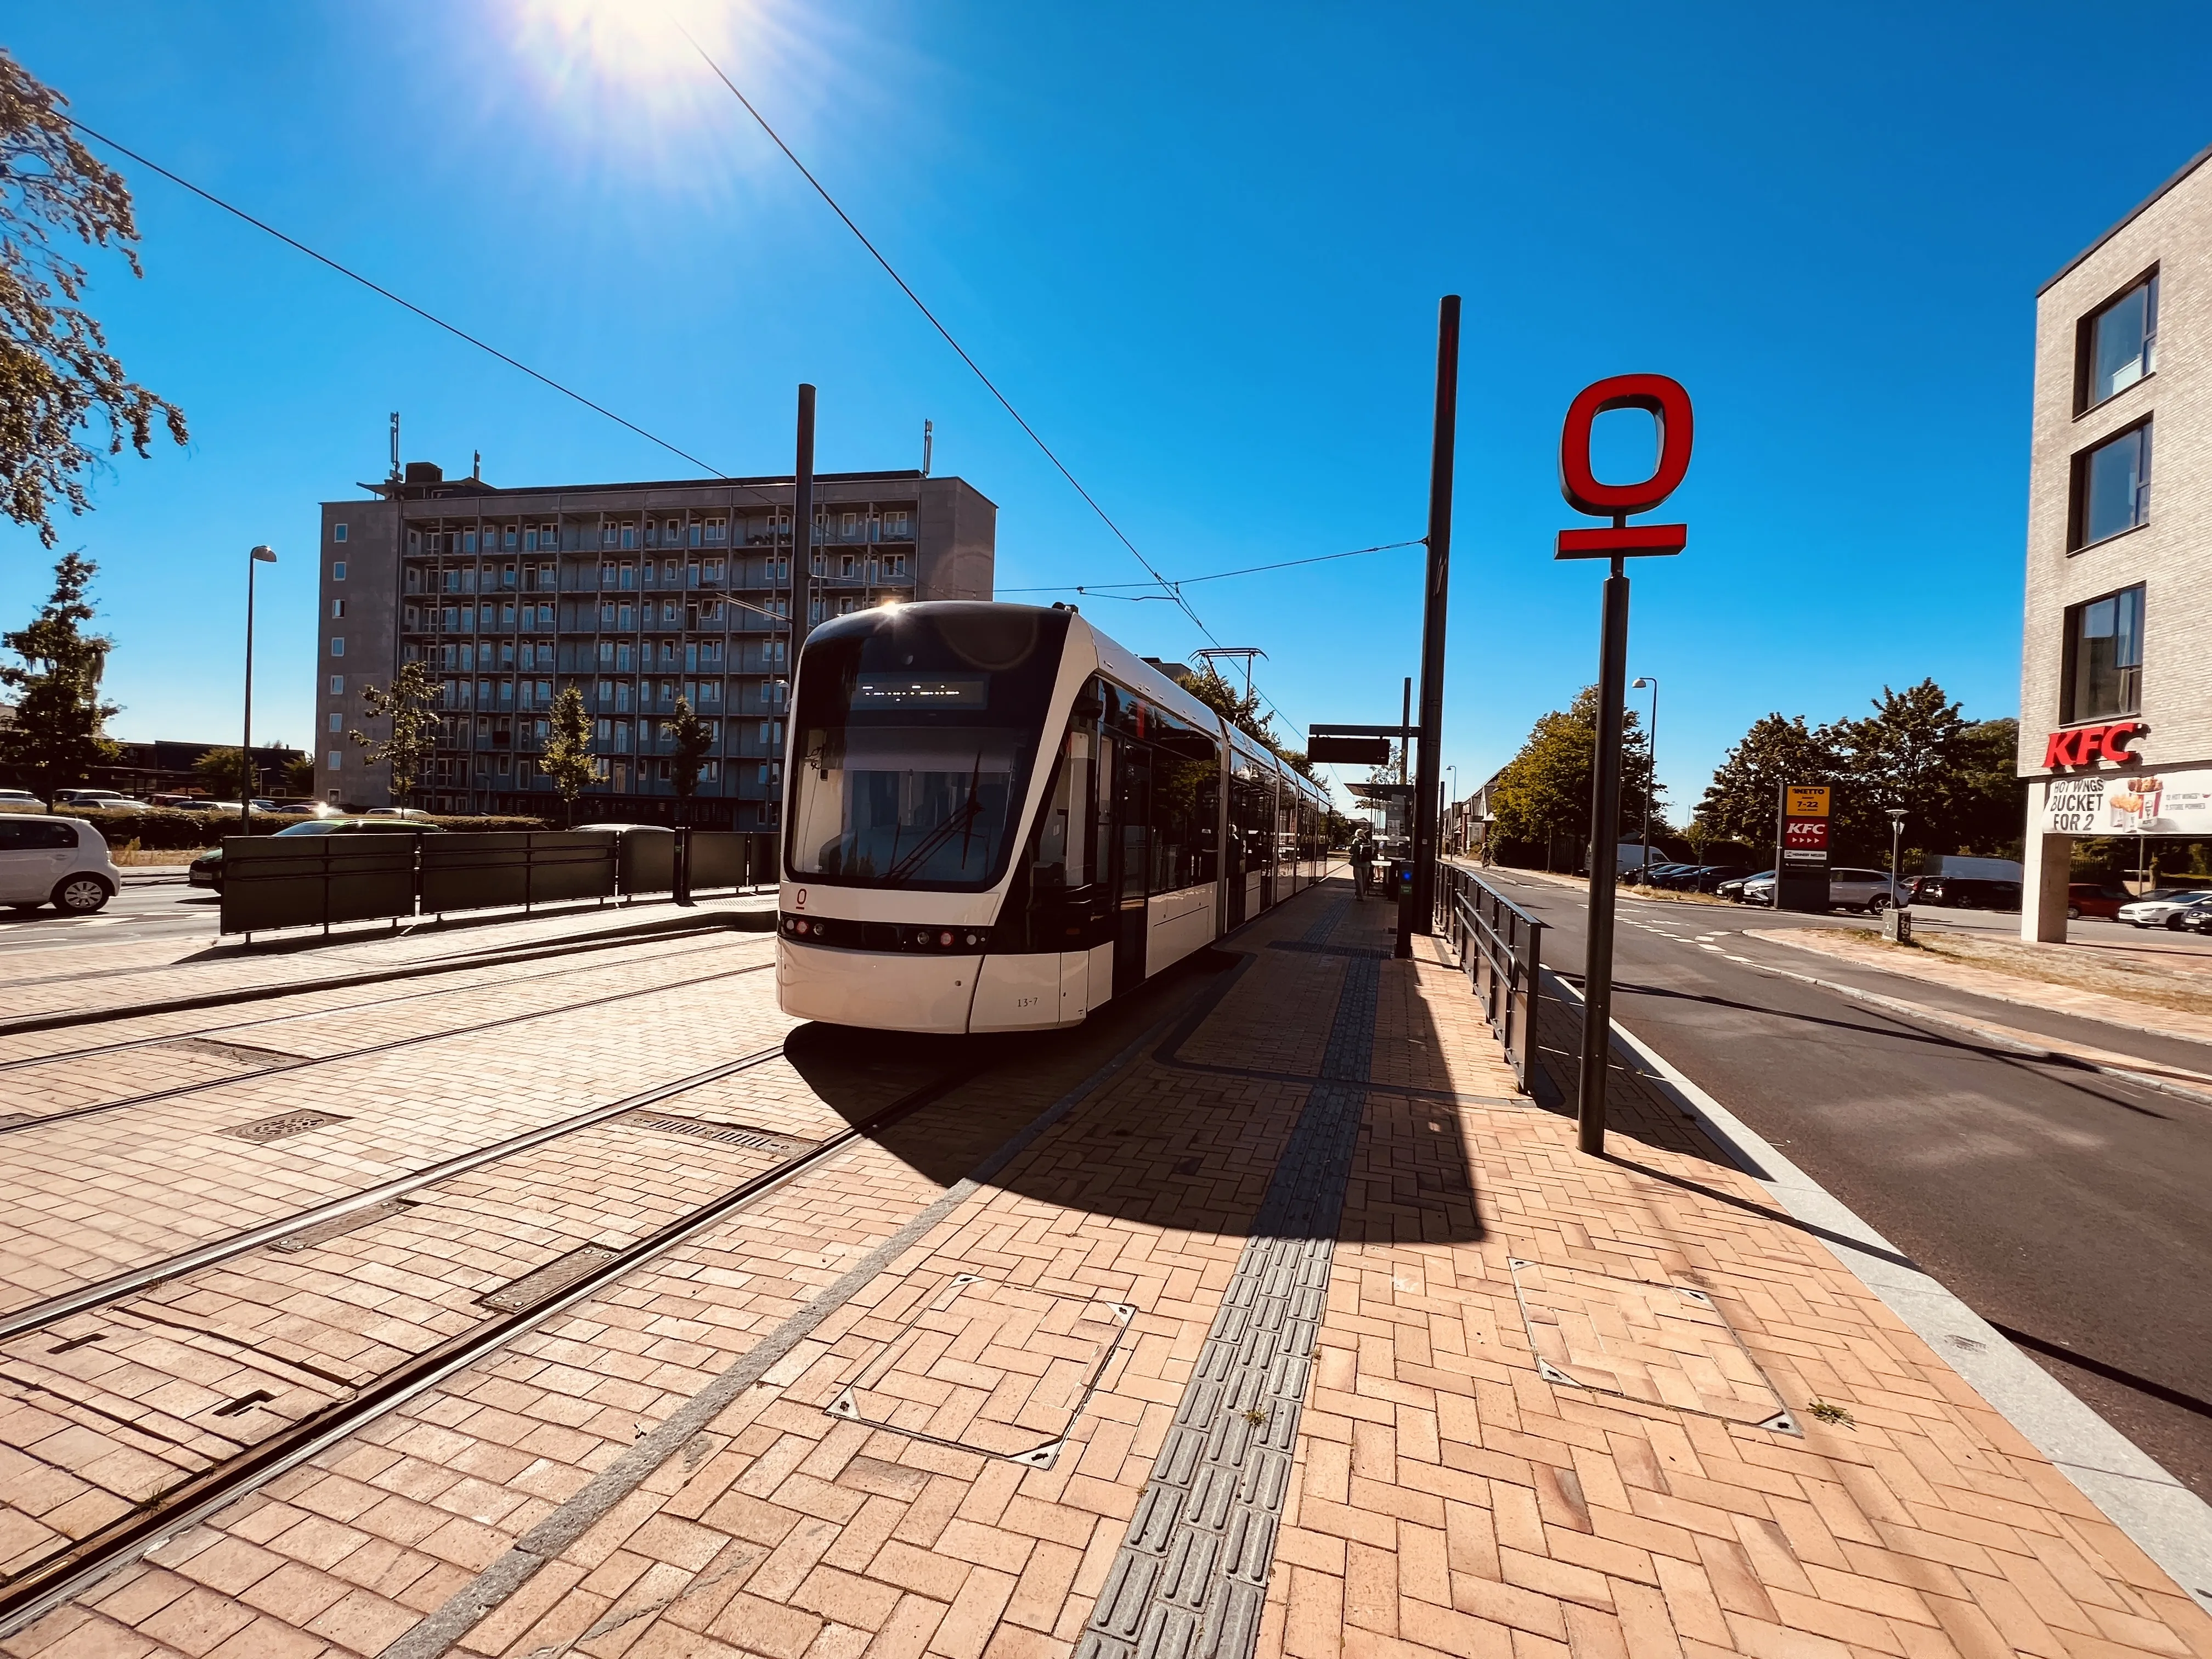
x,y
459,333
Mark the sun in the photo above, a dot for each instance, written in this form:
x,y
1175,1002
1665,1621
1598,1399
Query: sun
x,y
635,44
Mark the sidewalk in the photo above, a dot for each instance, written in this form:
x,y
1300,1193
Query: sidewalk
x,y
1297,1332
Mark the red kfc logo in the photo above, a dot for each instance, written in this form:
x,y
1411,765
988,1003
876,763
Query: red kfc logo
x,y
1805,835
2084,746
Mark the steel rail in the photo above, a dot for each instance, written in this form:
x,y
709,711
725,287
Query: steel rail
x,y
125,1043
479,1026
40,1588
62,1018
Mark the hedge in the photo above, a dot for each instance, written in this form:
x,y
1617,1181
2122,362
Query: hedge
x,y
163,830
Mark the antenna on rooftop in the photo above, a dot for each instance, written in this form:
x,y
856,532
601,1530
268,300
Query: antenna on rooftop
x,y
395,446
476,470
929,433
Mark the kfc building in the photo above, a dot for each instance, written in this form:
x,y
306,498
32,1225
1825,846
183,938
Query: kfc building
x,y
2116,674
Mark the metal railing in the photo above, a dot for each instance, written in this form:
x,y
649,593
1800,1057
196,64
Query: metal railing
x,y
1500,946
280,881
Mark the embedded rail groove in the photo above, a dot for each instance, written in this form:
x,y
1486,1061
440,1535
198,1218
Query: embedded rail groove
x,y
40,1588
472,1030
125,1043
61,1020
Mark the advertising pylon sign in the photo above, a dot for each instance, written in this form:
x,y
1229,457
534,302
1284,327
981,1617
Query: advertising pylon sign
x,y
1800,848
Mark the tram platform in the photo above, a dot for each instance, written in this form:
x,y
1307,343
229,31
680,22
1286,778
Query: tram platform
x,y
1288,1327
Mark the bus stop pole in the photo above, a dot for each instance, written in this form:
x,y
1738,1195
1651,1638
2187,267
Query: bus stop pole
x,y
1604,857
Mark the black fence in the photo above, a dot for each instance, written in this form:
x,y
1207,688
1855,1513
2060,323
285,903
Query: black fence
x,y
305,881
1501,947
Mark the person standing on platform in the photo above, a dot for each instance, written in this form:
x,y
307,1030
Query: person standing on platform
x,y
1363,860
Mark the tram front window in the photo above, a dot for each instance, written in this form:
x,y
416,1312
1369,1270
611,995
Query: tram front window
x,y
917,736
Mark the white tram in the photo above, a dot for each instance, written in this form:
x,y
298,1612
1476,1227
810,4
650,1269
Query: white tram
x,y
995,818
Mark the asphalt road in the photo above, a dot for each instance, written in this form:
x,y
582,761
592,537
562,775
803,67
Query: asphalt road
x,y
2069,1209
166,911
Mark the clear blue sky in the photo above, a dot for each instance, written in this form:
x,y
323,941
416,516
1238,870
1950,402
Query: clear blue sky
x,y
1200,247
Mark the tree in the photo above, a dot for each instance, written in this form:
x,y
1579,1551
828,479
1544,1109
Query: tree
x,y
56,739
411,703
1240,708
56,374
222,773
566,757
1542,796
1743,799
299,775
693,738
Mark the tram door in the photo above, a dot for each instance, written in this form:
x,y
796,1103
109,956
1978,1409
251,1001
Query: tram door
x,y
1130,767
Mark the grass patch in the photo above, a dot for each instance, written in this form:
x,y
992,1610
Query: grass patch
x,y
2080,968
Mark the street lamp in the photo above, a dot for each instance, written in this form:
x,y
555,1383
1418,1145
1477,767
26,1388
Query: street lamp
x,y
1896,834
258,555
1651,774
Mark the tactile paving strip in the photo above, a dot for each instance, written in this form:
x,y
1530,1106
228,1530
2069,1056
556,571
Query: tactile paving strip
x,y
1191,1578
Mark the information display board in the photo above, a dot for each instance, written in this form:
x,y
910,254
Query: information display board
x,y
1800,852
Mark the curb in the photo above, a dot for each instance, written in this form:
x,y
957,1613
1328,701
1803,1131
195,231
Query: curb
x,y
2166,1521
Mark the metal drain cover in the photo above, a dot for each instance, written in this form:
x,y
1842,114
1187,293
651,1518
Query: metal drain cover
x,y
338,1225
731,1134
521,1295
277,1128
1665,1344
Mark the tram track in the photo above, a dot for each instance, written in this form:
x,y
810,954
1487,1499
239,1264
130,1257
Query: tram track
x,y
64,1018
124,1044
32,1589
256,1075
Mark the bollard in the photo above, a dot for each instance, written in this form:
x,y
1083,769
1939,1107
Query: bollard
x,y
1896,926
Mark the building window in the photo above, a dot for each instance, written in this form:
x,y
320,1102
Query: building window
x,y
2117,345
336,760
2103,657
2111,487
337,532
894,567
337,566
338,686
337,645
337,722
337,609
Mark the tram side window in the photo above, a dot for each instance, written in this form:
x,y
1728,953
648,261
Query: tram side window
x,y
1251,809
1065,846
1186,809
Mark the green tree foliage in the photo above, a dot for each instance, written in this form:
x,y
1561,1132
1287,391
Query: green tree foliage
x,y
299,775
410,704
1915,750
56,739
693,738
56,375
1542,797
220,774
1741,803
1242,709
566,757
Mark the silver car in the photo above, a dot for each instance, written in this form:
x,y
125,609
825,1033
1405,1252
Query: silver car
x,y
1848,889
2163,908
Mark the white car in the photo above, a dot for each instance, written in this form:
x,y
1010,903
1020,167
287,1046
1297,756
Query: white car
x,y
59,861
103,799
2162,910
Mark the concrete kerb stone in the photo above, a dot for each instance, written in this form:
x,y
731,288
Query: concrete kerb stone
x,y
2169,1523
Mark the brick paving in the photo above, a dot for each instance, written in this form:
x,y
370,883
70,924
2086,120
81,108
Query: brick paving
x,y
938,1467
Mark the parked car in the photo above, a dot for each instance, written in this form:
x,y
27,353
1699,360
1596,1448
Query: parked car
x,y
50,859
12,798
207,803
101,799
1734,887
298,809
1759,889
206,870
1708,877
1966,892
2087,899
2196,919
2164,907
395,812
625,829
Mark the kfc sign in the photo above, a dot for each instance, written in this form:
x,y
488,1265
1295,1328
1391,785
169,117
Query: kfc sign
x,y
2084,746
1805,835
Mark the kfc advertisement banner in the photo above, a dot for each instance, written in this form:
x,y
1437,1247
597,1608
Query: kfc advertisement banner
x,y
2115,803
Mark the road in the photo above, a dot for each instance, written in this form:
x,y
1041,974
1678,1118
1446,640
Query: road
x,y
2068,1209
142,911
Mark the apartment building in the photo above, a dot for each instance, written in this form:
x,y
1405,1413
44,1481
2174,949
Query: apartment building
x,y
636,593
2116,680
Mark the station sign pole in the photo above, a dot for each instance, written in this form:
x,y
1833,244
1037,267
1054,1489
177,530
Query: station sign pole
x,y
1668,405
1429,769
1800,847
